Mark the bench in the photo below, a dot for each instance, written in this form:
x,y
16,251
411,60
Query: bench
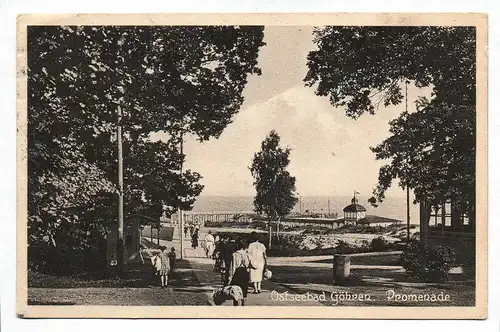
x,y
342,264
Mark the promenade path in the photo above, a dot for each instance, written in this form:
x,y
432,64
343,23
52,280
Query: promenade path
x,y
208,280
313,275
194,280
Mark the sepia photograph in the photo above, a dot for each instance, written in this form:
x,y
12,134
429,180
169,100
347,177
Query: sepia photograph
x,y
301,166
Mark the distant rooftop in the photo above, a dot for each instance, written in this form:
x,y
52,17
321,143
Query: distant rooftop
x,y
377,220
354,206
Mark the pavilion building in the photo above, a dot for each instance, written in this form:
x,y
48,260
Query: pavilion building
x,y
354,212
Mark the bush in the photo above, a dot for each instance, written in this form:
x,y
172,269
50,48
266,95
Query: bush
x,y
287,245
344,248
57,261
378,244
428,263
236,224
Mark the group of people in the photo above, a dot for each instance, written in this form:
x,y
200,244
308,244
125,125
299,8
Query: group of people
x,y
241,262
192,230
164,263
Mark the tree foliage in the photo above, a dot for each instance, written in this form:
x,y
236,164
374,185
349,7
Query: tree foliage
x,y
432,150
275,186
172,79
359,68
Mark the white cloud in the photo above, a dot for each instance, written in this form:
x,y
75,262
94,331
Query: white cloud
x,y
313,129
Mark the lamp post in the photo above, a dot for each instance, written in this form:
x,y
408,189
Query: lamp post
x,y
181,214
407,186
121,240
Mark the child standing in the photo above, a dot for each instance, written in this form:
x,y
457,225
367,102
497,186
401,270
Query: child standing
x,y
162,265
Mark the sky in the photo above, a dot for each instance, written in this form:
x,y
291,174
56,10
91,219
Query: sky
x,y
330,152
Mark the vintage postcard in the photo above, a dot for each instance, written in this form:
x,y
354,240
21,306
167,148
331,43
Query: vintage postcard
x,y
252,166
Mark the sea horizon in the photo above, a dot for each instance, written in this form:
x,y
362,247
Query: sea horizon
x,y
392,206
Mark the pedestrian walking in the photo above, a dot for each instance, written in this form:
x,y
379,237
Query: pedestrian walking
x,y
209,244
172,257
229,249
239,270
258,260
194,240
220,261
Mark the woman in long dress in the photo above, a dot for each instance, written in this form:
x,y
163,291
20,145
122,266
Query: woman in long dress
x,y
257,254
194,240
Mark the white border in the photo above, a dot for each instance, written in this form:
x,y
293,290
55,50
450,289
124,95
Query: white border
x,y
7,148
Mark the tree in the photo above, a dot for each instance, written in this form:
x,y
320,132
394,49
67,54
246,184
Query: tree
x,y
358,68
432,150
154,187
173,79
275,186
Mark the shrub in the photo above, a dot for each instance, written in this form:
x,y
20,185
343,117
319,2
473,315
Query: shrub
x,y
428,263
344,248
286,245
378,244
365,245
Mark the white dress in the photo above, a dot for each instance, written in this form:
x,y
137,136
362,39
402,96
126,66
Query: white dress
x,y
256,252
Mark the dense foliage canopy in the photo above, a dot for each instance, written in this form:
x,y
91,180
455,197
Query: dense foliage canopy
x,y
171,79
432,150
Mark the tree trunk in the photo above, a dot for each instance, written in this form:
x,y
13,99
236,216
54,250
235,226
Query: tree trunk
x,y
278,228
270,234
158,235
425,216
407,214
443,217
456,212
120,248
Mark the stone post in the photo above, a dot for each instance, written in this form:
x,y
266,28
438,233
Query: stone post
x,y
341,269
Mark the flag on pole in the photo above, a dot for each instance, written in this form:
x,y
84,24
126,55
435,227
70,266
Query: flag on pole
x,y
357,193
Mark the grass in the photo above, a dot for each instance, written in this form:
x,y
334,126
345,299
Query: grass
x,y
138,275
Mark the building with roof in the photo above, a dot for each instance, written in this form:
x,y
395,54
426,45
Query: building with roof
x,y
450,223
354,211
378,221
